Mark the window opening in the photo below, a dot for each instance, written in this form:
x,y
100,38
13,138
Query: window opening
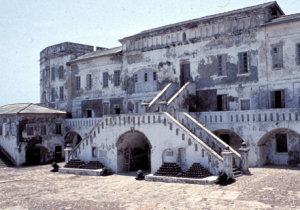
x,y
154,75
89,81
281,142
277,99
60,72
61,93
58,128
78,83
135,78
184,36
243,62
53,73
29,130
245,104
52,94
222,102
43,129
146,78
89,113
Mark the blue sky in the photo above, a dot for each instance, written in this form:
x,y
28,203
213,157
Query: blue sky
x,y
27,27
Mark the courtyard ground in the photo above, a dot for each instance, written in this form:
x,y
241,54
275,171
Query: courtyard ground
x,y
271,187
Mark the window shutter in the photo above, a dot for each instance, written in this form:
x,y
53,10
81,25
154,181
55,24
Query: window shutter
x,y
240,64
272,99
280,56
248,61
298,54
224,59
282,99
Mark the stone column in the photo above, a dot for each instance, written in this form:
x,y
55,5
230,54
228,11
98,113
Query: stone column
x,y
144,106
227,162
163,106
244,154
67,153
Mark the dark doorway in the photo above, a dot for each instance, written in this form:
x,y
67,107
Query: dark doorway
x,y
33,156
277,99
89,113
185,74
222,102
225,138
118,110
57,153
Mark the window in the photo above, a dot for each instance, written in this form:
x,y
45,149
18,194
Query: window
x,y
146,78
117,75
105,79
89,82
1,129
184,36
53,73
89,113
43,130
105,109
154,76
196,147
277,99
52,94
222,65
135,78
245,104
298,54
29,130
61,72
58,128
243,62
61,93
281,142
78,83
94,152
222,102
277,55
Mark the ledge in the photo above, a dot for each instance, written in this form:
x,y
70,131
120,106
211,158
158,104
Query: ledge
x,y
80,171
205,181
243,75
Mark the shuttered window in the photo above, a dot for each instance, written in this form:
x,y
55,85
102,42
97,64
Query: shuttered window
x,y
29,130
277,99
1,129
243,62
58,128
154,75
53,73
89,81
61,93
78,83
277,55
105,79
298,54
222,65
146,77
52,94
117,76
61,72
245,104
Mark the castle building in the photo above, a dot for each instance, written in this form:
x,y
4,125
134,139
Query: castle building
x,y
183,92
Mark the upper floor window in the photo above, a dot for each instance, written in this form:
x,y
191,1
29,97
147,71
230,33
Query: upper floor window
x,y
184,36
146,77
53,73
222,65
277,55
298,54
89,81
1,129
29,130
58,128
78,83
277,99
43,129
52,94
245,104
154,75
105,79
61,72
135,78
61,93
243,62
117,76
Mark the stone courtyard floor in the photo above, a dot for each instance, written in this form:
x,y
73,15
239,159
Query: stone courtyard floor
x,y
35,187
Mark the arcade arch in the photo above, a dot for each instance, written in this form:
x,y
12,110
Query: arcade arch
x,y
72,138
229,137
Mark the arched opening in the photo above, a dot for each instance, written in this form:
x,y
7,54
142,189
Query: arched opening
x,y
134,152
43,98
72,138
279,147
230,138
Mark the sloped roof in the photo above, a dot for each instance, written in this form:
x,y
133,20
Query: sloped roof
x,y
283,19
206,18
96,54
28,108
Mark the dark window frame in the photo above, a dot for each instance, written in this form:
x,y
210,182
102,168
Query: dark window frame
x,y
244,101
53,94
89,82
78,85
145,77
243,62
135,77
53,74
61,93
277,56
154,76
58,128
43,129
60,72
30,130
298,54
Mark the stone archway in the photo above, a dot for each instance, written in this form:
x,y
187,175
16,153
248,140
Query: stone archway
x,y
134,152
72,138
279,146
229,137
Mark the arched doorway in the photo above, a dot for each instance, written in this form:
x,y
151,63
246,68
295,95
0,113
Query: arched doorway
x,y
230,138
280,147
134,152
72,138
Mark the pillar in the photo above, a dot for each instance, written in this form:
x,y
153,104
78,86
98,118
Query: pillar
x,y
67,153
227,162
244,162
